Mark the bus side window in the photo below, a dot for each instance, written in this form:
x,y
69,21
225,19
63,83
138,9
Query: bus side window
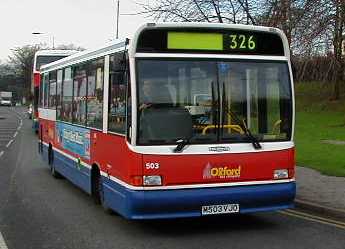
x,y
117,94
45,90
40,102
59,94
67,93
52,90
95,77
79,94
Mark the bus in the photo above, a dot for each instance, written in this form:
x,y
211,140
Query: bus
x,y
41,58
183,120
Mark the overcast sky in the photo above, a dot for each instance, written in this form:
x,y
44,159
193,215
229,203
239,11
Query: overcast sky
x,y
86,23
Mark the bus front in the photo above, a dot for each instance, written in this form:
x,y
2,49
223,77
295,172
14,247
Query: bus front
x,y
213,115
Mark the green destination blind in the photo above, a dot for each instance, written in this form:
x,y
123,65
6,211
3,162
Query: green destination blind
x,y
198,41
212,41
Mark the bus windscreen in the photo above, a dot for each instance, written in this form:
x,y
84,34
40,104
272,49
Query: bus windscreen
x,y
43,60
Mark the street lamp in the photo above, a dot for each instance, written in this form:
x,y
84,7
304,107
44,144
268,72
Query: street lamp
x,y
40,33
117,19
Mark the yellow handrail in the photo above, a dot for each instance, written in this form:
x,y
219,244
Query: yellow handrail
x,y
234,127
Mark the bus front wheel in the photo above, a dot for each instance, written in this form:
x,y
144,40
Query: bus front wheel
x,y
97,190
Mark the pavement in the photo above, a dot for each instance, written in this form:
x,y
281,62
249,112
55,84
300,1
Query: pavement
x,y
320,193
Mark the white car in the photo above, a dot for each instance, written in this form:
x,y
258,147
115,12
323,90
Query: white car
x,y
5,102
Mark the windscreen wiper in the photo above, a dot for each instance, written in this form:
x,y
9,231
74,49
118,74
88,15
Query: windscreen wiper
x,y
181,143
242,124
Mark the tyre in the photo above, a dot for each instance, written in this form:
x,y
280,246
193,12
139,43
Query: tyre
x,y
53,171
98,194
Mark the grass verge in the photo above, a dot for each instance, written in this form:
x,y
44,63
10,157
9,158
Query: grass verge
x,y
319,119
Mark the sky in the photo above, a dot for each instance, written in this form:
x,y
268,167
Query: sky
x,y
85,23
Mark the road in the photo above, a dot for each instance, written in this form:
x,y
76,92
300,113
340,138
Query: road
x,y
38,211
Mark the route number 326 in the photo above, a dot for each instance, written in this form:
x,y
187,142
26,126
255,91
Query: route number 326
x,y
242,42
152,165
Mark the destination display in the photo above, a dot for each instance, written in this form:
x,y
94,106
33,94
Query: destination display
x,y
202,41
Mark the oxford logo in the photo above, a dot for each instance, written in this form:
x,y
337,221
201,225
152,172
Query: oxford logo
x,y
221,172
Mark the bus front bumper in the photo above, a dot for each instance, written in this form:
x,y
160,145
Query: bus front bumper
x,y
179,203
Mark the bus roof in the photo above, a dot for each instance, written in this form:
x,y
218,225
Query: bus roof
x,y
54,52
111,47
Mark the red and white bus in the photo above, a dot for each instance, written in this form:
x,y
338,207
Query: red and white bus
x,y
184,120
41,58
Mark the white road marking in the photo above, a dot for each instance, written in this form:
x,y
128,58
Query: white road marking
x,y
9,143
15,134
2,242
1,153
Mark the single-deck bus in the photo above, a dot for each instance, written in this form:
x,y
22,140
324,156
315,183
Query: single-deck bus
x,y
41,58
184,120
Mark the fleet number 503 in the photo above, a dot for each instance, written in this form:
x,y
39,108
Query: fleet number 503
x,y
152,165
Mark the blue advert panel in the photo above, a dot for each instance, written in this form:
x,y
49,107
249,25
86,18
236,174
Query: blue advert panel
x,y
74,139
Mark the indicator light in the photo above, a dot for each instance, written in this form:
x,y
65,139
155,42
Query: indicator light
x,y
137,180
281,174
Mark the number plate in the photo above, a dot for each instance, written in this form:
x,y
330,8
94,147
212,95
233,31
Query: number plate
x,y
220,209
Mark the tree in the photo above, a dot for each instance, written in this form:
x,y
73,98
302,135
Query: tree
x,y
302,21
229,11
338,28
22,60
70,47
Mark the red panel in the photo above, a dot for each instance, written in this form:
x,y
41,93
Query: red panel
x,y
112,154
197,169
37,79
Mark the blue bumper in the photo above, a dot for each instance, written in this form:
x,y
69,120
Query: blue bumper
x,y
162,204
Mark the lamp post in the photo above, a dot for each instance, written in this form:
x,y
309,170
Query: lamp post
x,y
117,19
40,33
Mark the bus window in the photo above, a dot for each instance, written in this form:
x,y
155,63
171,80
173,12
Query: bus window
x,y
41,98
181,88
67,93
95,94
79,95
59,94
117,95
52,90
45,90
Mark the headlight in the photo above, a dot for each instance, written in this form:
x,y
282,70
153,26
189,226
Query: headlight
x,y
281,174
152,180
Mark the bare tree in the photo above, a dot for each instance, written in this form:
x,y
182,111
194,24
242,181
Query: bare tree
x,y
70,47
221,11
338,25
22,59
